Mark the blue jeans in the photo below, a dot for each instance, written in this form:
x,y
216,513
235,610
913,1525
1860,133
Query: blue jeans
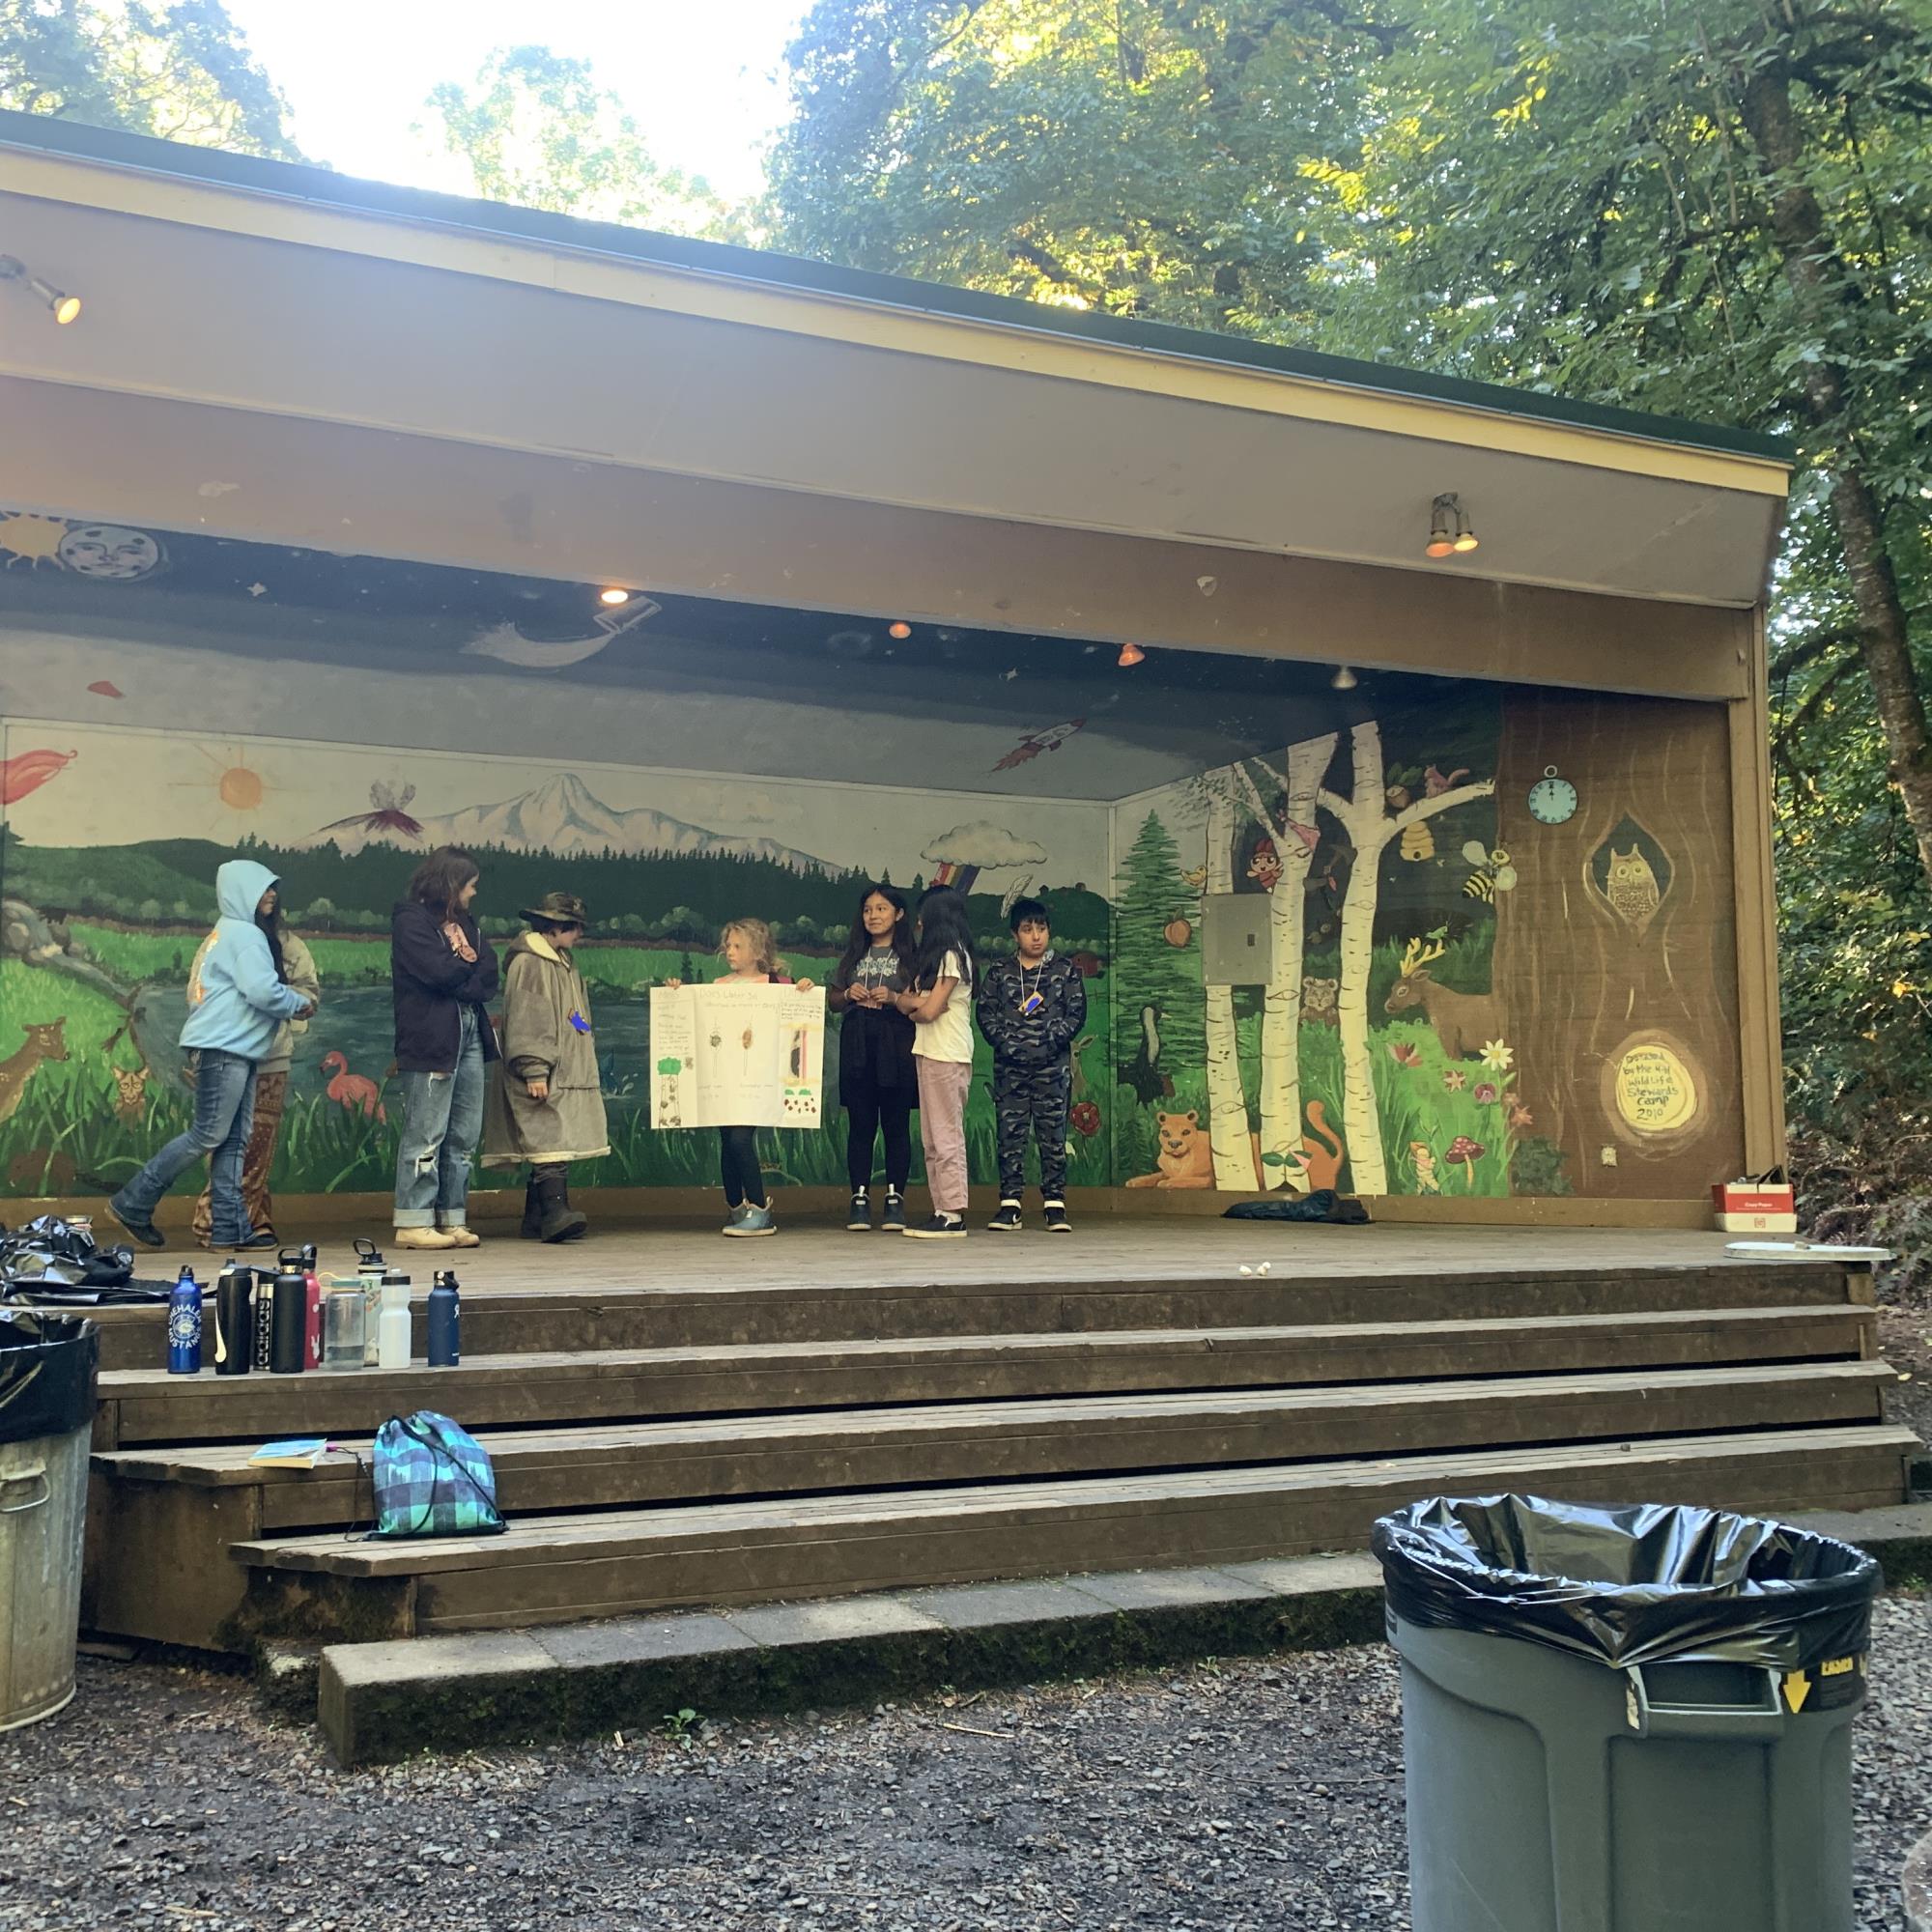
x,y
442,1115
224,1116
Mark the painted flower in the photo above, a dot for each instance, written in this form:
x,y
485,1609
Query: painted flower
x,y
1085,1118
1519,1115
1498,1054
1455,1079
1486,1092
1404,1054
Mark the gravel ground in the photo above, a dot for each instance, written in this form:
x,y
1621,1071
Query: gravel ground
x,y
1247,1795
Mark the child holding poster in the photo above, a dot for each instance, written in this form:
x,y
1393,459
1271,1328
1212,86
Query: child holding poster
x,y
746,948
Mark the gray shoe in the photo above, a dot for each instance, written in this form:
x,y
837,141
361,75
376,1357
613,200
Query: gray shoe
x,y
753,1221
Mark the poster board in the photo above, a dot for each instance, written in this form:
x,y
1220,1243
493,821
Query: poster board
x,y
743,1054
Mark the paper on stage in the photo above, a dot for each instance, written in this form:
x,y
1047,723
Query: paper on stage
x,y
743,1054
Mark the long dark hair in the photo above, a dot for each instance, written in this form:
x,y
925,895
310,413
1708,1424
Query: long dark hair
x,y
860,939
270,926
943,928
441,878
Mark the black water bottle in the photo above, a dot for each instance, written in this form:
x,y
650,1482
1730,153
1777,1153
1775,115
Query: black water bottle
x,y
287,1338
445,1311
234,1321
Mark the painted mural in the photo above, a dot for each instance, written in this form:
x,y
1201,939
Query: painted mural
x,y
98,932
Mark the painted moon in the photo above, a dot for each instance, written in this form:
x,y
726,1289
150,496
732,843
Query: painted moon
x,y
110,551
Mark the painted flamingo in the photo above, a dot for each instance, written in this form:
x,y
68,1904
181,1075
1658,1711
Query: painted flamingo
x,y
354,1089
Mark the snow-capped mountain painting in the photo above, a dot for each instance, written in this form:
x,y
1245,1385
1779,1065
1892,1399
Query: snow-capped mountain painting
x,y
563,817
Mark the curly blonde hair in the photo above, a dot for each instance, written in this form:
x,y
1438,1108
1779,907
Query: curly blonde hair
x,y
757,935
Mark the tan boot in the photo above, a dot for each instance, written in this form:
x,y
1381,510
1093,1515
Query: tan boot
x,y
422,1237
463,1238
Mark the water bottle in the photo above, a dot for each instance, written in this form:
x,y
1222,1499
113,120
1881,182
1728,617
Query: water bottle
x,y
393,1337
234,1321
312,1301
288,1330
342,1329
185,1325
371,1266
445,1321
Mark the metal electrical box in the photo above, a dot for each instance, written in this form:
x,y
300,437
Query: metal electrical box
x,y
1237,939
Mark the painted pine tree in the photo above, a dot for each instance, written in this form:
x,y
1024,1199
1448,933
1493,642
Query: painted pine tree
x,y
1150,970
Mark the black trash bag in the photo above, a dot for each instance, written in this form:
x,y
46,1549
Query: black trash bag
x,y
1323,1204
47,1369
1620,1585
50,1260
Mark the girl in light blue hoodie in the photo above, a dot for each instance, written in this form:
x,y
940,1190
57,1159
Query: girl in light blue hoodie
x,y
236,1003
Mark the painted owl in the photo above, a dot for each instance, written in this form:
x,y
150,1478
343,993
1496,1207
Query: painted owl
x,y
1633,891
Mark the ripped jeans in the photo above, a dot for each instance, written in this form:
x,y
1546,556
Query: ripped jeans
x,y
442,1115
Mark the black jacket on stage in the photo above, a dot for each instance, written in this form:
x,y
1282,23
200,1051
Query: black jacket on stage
x,y
432,984
1040,1039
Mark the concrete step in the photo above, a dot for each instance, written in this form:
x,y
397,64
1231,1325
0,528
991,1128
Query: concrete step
x,y
145,1406
899,1298
607,1563
383,1701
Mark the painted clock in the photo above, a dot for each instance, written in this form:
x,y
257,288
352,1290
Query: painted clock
x,y
1552,800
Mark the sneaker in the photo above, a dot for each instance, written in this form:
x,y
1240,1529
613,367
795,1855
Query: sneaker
x,y
941,1228
262,1237
145,1231
1008,1220
1057,1222
465,1238
860,1218
733,1216
892,1221
753,1221
421,1238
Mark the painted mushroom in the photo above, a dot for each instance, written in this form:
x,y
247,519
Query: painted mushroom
x,y
1463,1149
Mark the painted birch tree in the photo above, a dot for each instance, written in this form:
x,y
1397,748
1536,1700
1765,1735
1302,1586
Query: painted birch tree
x,y
1369,826
1227,1103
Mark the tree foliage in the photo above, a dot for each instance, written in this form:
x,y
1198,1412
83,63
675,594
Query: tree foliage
x,y
538,131
181,72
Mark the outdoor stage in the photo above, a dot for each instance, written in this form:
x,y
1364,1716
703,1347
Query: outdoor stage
x,y
678,1420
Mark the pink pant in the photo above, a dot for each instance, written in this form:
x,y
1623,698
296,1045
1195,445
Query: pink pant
x,y
943,1086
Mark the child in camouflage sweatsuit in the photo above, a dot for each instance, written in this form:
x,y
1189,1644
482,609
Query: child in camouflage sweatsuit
x,y
1030,1010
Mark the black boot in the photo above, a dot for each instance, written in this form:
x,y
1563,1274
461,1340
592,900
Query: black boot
x,y
583,1220
558,1219
533,1228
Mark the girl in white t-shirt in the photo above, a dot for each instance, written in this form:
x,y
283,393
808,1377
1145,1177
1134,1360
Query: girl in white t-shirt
x,y
940,1003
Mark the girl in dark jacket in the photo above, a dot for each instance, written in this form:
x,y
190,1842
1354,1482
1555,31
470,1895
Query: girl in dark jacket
x,y
443,975
879,1083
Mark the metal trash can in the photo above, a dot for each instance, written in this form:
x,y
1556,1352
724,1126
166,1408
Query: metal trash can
x,y
47,1369
1624,1719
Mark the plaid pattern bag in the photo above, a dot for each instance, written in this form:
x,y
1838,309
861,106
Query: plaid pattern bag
x,y
432,1478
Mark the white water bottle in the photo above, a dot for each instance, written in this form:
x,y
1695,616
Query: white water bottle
x,y
392,1327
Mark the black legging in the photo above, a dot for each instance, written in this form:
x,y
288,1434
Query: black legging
x,y
738,1163
888,1112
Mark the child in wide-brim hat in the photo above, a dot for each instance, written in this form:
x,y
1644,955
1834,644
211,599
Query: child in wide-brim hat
x,y
546,1099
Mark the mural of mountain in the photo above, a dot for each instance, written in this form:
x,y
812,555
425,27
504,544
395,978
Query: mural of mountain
x,y
565,817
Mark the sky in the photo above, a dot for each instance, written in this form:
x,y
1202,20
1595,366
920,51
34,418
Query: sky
x,y
703,82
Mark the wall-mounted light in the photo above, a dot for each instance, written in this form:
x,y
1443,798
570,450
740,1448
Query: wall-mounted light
x,y
614,595
899,628
63,306
1130,654
1449,531
1344,679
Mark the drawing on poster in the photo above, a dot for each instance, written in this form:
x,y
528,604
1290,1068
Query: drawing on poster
x,y
745,1055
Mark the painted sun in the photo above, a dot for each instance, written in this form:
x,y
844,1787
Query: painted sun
x,y
239,789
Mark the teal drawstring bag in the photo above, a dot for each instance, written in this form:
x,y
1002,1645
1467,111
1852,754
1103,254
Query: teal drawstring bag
x,y
433,1478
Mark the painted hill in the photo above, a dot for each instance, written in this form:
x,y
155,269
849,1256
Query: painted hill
x,y
565,818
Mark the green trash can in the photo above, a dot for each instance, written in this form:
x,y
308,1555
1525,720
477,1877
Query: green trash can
x,y
1624,1719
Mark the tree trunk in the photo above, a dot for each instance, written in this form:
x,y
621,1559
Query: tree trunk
x,y
1287,920
1227,1105
1367,824
1798,222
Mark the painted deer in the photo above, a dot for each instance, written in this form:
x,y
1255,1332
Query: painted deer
x,y
1464,1022
47,1040
354,1091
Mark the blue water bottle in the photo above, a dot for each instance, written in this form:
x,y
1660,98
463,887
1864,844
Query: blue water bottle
x,y
445,1321
185,1326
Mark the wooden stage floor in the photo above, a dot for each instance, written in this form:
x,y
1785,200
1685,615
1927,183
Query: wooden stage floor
x,y
1107,1248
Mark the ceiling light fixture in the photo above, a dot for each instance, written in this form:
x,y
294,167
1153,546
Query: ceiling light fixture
x,y
63,306
899,628
1130,654
1344,679
1449,531
614,595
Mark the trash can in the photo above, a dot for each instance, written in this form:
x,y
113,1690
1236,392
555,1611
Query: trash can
x,y
47,1369
1624,1719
